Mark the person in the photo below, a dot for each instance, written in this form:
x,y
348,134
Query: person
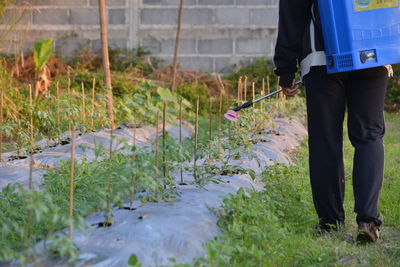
x,y
362,92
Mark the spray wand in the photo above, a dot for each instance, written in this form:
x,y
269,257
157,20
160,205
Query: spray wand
x,y
232,114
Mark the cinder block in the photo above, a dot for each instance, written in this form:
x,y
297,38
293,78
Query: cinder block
x,y
215,2
253,46
159,16
168,2
216,46
84,16
14,15
70,46
152,45
265,16
230,64
36,2
186,46
69,3
109,3
197,64
198,16
116,16
232,16
112,43
256,2
51,16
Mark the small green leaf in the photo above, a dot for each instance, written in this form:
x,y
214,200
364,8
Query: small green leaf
x,y
42,53
133,261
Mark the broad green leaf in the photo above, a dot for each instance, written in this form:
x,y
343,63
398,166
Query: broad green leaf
x,y
42,53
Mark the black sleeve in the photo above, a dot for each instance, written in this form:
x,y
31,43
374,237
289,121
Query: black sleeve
x,y
294,16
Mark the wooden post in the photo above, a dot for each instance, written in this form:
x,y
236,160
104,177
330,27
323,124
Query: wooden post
x,y
177,41
106,61
196,135
71,180
93,102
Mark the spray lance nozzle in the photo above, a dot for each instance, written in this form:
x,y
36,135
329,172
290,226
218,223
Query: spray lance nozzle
x,y
232,114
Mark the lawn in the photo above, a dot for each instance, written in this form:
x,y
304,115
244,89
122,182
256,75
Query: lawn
x,y
274,227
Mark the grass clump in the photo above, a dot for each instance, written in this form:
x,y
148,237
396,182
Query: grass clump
x,y
274,227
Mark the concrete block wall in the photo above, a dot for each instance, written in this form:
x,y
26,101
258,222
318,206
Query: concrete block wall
x,y
216,33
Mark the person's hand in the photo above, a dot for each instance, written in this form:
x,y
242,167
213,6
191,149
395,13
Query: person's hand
x,y
287,83
291,91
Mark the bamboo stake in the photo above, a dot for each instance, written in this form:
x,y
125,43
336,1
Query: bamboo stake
x,y
177,41
180,135
17,118
245,88
164,145
31,162
93,102
69,85
210,120
106,61
58,111
239,90
133,162
83,112
1,122
268,85
220,116
196,134
71,180
157,129
254,90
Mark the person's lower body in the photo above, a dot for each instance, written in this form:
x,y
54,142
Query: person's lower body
x,y
363,93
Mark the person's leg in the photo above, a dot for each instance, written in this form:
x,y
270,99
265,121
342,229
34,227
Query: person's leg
x,y
325,108
366,90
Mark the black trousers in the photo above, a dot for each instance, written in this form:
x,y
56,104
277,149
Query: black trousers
x,y
363,93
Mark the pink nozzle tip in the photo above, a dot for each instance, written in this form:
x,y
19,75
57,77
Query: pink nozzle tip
x,y
231,115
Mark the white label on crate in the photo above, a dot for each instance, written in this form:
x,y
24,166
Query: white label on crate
x,y
361,5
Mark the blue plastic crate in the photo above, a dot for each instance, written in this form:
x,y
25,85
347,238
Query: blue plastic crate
x,y
360,34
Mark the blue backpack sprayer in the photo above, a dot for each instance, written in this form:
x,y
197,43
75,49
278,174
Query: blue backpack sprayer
x,y
358,34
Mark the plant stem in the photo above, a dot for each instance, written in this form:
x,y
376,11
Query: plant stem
x,y
210,128
196,134
71,180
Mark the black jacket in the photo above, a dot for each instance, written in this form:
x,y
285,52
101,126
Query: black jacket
x,y
300,40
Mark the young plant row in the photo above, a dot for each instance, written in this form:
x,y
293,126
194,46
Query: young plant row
x,y
74,190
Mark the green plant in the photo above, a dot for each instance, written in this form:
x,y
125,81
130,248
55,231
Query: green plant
x,y
42,53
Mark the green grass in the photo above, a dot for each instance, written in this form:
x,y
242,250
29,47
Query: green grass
x,y
274,227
